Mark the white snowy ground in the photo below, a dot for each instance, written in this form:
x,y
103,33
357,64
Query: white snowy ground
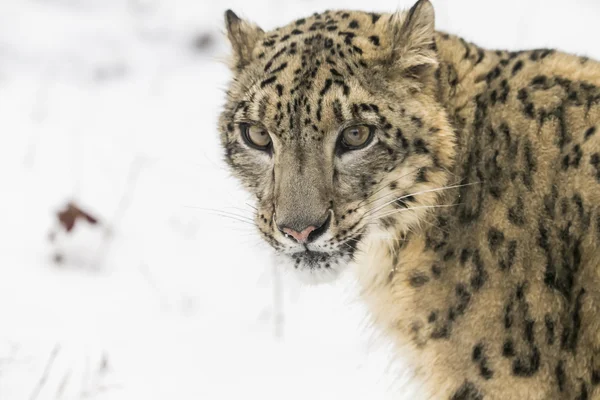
x,y
109,102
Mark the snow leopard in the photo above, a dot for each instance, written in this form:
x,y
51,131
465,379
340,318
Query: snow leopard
x,y
461,185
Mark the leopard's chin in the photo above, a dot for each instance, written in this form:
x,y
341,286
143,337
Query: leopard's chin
x,y
314,267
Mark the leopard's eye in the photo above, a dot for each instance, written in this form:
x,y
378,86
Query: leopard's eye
x,y
255,136
356,137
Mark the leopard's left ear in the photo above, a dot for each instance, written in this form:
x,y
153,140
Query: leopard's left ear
x,y
413,39
243,36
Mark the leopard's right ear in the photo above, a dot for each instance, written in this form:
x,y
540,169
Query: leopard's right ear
x,y
243,36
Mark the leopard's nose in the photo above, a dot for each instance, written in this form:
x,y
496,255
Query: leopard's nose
x,y
305,233
301,237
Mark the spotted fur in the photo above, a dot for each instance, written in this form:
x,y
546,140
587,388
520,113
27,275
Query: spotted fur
x,y
472,218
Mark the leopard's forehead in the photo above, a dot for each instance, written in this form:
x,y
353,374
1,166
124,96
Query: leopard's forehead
x,y
331,32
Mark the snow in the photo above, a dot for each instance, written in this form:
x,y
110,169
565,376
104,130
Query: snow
x,y
111,103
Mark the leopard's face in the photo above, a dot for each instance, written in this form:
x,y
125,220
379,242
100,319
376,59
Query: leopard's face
x,y
337,144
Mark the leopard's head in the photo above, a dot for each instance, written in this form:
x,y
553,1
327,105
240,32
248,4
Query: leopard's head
x,y
332,123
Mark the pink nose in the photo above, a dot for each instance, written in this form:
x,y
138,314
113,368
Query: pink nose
x,y
300,237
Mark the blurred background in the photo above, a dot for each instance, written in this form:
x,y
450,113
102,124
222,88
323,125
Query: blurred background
x,y
123,273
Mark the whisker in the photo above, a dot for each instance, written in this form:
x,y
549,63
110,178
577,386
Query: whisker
x,y
238,208
384,196
347,245
242,229
236,219
213,210
374,236
252,242
415,208
413,194
394,193
418,193
450,172
435,226
232,216
361,203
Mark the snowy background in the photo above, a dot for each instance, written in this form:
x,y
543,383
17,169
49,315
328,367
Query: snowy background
x,y
113,104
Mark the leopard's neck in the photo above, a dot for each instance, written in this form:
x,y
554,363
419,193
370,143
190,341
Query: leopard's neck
x,y
393,272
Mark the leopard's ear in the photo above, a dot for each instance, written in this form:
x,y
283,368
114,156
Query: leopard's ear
x,y
412,42
243,36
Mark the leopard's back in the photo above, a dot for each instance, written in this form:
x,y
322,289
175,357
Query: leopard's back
x,y
522,244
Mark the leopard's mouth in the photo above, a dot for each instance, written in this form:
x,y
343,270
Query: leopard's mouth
x,y
313,259
317,266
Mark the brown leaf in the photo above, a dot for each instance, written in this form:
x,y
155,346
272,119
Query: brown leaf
x,y
69,216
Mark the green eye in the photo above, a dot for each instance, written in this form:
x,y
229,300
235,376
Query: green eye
x,y
255,136
356,137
